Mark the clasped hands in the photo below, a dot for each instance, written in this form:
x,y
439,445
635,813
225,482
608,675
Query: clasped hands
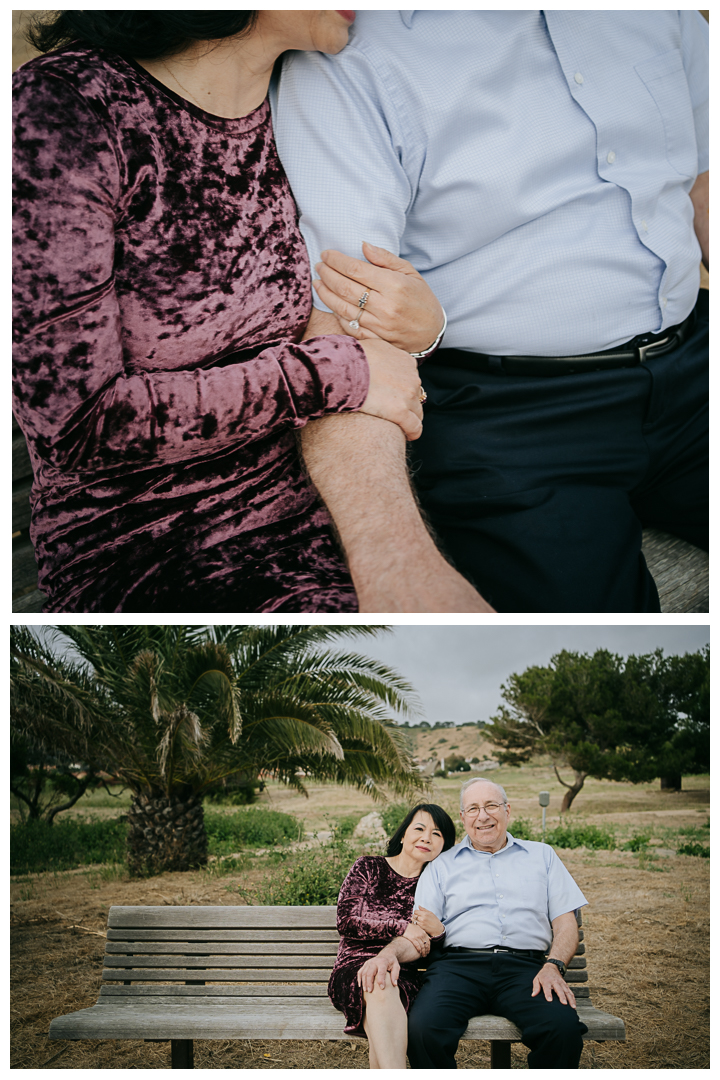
x,y
401,315
417,934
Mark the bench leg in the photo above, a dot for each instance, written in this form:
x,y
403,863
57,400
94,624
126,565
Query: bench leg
x,y
499,1054
181,1053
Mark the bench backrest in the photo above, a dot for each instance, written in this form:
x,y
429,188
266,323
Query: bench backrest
x,y
256,951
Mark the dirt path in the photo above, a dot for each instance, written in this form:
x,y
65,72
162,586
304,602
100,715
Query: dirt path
x,y
647,933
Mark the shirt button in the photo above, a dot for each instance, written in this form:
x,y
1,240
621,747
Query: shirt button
x,y
611,157
578,78
663,300
500,895
644,225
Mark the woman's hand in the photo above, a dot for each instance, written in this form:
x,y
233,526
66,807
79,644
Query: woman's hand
x,y
428,922
401,308
418,938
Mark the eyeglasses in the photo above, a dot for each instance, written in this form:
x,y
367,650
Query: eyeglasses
x,y
491,807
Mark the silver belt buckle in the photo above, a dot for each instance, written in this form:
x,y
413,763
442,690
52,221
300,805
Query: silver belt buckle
x,y
642,349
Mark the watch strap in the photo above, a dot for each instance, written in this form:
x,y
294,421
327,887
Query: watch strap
x,y
562,968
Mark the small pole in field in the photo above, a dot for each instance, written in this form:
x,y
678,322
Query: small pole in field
x,y
544,798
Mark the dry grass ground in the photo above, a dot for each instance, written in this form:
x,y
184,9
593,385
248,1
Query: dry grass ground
x,y
647,930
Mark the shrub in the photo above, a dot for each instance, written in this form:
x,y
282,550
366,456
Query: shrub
x,y
636,843
573,836
254,827
522,829
455,763
694,849
36,846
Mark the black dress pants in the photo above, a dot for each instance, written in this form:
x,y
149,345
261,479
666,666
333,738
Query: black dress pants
x,y
539,487
461,985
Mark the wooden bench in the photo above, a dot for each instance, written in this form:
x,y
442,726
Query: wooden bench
x,y
185,973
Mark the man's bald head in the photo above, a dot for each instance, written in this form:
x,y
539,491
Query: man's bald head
x,y
499,791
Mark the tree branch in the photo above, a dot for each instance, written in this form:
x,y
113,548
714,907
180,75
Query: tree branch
x,y
66,806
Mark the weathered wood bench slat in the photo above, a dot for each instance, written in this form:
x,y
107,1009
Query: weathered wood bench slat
x,y
228,918
224,935
304,963
281,1018
269,968
216,948
175,991
218,974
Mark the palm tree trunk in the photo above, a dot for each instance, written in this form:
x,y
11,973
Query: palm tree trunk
x,y
166,833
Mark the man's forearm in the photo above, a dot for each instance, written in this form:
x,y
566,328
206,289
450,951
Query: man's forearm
x,y
357,462
402,949
565,942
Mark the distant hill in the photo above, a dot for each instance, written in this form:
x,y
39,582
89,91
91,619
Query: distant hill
x,y
468,742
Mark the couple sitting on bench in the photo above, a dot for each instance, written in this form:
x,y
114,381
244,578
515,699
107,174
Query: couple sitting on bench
x,y
546,175
486,911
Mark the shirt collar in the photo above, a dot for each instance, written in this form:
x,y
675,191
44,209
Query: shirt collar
x,y
406,17
465,844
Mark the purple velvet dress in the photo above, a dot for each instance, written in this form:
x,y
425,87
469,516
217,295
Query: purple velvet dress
x,y
375,905
161,286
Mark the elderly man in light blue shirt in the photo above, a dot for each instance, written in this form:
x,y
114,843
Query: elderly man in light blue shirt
x,y
505,904
546,172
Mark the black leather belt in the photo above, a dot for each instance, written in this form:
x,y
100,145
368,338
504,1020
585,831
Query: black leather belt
x,y
532,954
642,348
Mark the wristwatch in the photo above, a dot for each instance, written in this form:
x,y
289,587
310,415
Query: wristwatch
x,y
558,964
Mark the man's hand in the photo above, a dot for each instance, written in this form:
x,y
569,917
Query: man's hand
x,y
564,944
548,979
418,937
378,968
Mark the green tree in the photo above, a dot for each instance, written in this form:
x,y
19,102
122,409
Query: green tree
x,y
603,716
175,710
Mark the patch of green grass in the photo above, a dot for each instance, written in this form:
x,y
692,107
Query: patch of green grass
x,y
254,827
104,874
222,867
344,826
315,880
36,846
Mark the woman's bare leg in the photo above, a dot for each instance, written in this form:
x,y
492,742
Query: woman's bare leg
x,y
385,1025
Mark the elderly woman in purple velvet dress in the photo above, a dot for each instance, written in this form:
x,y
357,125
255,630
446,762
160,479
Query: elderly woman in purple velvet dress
x,y
163,356
375,905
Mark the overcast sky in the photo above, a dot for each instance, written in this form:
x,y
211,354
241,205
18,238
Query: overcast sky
x,y
458,670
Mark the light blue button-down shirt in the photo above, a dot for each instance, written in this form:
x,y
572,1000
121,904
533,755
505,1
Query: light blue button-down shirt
x,y
509,898
534,166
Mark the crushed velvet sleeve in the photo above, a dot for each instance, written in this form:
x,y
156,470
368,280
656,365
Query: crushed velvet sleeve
x,y
360,912
77,393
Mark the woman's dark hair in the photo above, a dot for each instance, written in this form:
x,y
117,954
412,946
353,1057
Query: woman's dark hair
x,y
443,821
146,35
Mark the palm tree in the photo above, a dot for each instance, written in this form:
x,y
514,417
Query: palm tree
x,y
175,710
